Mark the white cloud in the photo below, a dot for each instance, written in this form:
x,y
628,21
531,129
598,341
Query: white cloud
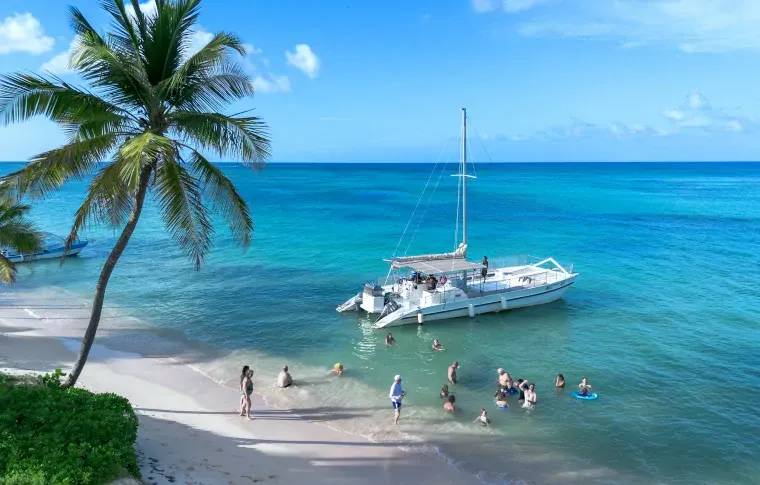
x,y
60,63
482,6
304,59
690,25
509,6
198,40
251,50
271,84
23,33
147,8
697,113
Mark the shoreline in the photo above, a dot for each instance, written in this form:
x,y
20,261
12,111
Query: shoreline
x,y
189,431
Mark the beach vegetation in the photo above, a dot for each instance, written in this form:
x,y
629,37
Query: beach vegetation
x,y
16,233
51,435
153,109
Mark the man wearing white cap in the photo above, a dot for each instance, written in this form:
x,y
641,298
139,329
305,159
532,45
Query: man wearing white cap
x,y
505,380
396,395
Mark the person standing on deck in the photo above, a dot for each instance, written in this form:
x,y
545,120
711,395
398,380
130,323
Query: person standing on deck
x,y
484,271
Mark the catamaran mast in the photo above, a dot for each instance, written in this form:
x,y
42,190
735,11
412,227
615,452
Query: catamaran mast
x,y
464,179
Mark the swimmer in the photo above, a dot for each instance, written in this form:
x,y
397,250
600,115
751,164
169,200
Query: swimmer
x,y
444,391
530,396
338,369
560,382
483,418
453,372
505,380
389,340
437,345
284,379
584,388
502,397
449,404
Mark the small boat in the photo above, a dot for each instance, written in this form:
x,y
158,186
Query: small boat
x,y
431,287
52,247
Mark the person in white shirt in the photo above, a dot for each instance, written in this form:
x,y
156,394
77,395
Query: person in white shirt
x,y
284,379
530,396
396,395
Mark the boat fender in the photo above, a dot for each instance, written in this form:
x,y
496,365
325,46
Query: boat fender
x,y
471,310
420,318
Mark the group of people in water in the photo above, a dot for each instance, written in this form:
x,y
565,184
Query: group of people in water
x,y
506,385
284,380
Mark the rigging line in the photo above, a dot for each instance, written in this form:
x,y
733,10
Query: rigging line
x,y
420,199
459,201
419,221
490,159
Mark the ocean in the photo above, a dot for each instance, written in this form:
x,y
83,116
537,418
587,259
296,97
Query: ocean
x,y
664,318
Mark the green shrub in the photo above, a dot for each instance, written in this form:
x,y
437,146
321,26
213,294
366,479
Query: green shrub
x,y
50,435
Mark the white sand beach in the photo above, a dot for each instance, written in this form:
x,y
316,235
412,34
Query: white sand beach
x,y
189,429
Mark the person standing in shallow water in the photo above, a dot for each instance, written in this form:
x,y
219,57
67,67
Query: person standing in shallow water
x,y
242,391
396,395
248,389
453,372
389,340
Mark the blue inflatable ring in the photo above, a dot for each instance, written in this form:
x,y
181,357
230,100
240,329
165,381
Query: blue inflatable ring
x,y
589,397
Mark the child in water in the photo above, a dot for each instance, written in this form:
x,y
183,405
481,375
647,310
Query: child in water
x,y
502,396
584,388
483,418
444,391
338,369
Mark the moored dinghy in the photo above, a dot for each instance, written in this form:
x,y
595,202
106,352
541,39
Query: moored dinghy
x,y
52,247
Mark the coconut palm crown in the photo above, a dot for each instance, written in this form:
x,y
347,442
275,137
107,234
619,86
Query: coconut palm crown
x,y
151,111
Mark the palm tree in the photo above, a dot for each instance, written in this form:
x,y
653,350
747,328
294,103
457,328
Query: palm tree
x,y
16,233
152,108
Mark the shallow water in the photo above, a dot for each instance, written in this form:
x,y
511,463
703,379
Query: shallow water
x,y
663,319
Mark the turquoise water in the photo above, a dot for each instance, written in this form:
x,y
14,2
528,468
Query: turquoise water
x,y
663,319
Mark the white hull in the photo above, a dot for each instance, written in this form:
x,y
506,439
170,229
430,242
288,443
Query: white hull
x,y
494,303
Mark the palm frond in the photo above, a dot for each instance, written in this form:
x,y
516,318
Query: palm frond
x,y
109,197
7,270
244,137
225,197
179,197
123,33
15,231
169,33
25,95
211,60
118,72
49,170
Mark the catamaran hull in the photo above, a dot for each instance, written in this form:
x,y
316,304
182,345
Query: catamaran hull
x,y
56,253
476,306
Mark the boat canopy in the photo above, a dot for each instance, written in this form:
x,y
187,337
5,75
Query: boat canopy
x,y
439,266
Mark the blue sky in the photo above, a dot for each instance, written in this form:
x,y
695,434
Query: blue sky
x,y
543,80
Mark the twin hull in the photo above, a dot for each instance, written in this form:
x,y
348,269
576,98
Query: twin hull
x,y
474,306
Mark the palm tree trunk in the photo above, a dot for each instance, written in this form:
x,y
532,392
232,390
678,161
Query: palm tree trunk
x,y
105,275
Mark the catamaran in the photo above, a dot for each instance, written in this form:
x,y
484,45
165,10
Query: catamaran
x,y
420,289
52,247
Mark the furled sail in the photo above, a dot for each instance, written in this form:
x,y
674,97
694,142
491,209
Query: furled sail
x,y
460,253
